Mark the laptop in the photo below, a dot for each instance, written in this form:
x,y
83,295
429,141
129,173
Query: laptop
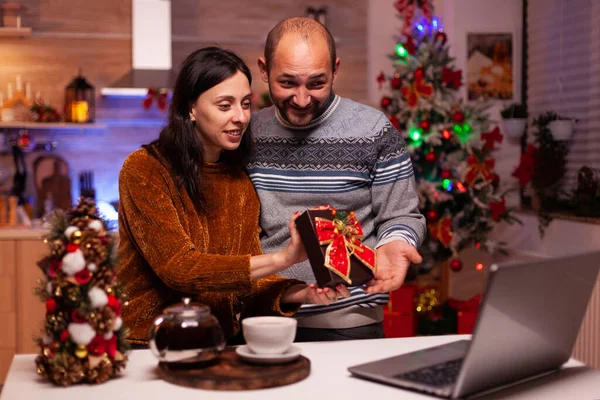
x,y
529,319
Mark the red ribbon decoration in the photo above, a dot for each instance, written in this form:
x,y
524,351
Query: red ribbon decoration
x,y
419,88
442,231
524,172
342,237
451,78
498,208
160,96
490,137
477,168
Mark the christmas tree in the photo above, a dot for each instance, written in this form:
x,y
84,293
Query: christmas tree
x,y
83,337
451,143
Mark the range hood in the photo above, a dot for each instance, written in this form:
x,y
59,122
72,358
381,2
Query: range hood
x,y
151,50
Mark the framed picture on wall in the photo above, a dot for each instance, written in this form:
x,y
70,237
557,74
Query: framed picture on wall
x,y
490,66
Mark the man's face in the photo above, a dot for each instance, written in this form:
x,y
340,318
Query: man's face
x,y
300,78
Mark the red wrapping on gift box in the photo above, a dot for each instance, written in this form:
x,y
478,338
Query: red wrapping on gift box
x,y
399,324
403,299
468,310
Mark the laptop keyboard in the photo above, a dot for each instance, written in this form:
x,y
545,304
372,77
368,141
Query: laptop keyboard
x,y
437,375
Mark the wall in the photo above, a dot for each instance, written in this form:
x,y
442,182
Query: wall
x,y
96,37
459,18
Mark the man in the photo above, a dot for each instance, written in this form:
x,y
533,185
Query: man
x,y
314,147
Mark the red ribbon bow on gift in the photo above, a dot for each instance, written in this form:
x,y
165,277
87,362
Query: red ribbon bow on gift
x,y
477,168
419,88
159,95
442,231
342,235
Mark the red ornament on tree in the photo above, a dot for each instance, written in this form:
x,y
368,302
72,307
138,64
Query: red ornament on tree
x,y
385,102
456,265
458,117
425,125
432,215
446,174
396,83
441,38
50,306
431,157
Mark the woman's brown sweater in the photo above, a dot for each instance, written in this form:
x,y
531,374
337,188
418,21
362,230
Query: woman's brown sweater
x,y
167,250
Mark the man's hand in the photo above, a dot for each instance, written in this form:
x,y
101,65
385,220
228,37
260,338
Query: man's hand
x,y
311,294
393,260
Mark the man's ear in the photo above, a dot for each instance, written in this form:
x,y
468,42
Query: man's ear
x,y
336,69
262,66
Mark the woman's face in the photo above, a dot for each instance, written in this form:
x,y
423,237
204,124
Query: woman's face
x,y
222,114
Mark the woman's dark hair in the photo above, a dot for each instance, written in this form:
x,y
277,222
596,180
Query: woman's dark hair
x,y
178,141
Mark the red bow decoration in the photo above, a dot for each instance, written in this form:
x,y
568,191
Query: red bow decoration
x,y
380,79
479,168
159,95
490,137
419,88
451,78
342,236
498,208
442,231
525,170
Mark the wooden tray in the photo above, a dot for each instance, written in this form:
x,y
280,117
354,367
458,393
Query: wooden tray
x,y
230,372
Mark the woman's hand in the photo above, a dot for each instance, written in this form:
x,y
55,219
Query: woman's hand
x,y
294,252
267,264
311,294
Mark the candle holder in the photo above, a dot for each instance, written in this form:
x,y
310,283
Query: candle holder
x,y
79,101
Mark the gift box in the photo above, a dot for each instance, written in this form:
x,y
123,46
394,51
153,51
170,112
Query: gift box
x,y
399,324
403,299
336,254
466,315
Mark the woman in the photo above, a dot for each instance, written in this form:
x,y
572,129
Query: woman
x,y
188,217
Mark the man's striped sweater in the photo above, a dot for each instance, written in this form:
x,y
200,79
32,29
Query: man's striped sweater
x,y
350,158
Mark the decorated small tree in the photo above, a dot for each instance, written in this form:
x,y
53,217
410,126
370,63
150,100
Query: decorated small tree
x,y
83,338
451,142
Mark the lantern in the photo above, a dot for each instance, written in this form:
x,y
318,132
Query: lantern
x,y
79,101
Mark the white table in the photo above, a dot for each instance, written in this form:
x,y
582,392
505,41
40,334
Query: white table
x,y
329,379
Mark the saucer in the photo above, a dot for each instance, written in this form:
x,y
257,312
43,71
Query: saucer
x,y
248,355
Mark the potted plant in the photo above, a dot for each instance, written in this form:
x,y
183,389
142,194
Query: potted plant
x,y
562,128
514,120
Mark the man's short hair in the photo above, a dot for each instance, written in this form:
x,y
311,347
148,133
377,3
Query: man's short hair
x,y
305,28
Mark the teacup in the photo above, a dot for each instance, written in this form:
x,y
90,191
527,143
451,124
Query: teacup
x,y
269,335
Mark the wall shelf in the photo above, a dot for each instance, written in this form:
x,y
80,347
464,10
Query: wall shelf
x,y
49,125
15,32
